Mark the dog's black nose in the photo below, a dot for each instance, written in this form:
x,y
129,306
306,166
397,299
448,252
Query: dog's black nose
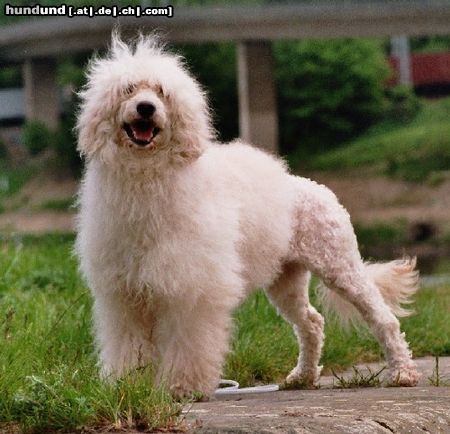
x,y
145,109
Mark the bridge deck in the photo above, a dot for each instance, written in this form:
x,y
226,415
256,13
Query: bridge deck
x,y
53,36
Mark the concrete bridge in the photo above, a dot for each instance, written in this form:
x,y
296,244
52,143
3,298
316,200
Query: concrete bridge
x,y
36,44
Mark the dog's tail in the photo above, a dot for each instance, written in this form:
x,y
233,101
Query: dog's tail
x,y
397,281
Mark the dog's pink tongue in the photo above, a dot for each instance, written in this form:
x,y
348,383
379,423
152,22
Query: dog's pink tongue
x,y
143,134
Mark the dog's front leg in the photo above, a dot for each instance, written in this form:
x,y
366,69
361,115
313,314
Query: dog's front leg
x,y
122,336
194,347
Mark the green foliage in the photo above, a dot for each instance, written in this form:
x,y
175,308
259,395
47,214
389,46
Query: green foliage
x,y
430,334
65,143
215,67
71,71
37,137
402,104
48,374
10,76
412,151
71,75
360,378
64,400
328,91
381,233
436,378
265,350
14,177
427,44
264,347
63,204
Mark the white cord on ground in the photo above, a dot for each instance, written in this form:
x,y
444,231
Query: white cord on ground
x,y
232,388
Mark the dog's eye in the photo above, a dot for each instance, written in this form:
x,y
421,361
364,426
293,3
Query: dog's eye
x,y
130,89
160,90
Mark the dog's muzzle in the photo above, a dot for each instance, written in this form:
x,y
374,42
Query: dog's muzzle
x,y
142,130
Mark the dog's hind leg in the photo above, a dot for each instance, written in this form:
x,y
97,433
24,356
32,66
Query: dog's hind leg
x,y
289,293
357,288
325,242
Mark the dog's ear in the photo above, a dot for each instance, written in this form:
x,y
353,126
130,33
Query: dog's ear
x,y
191,126
188,137
94,130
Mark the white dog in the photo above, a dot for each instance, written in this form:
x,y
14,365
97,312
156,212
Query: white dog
x,y
176,229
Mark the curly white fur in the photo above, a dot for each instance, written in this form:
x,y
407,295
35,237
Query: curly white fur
x,y
173,234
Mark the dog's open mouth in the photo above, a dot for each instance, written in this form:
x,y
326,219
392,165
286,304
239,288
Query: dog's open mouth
x,y
141,131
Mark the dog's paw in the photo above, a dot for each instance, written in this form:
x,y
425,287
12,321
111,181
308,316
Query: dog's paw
x,y
299,384
405,376
181,393
298,379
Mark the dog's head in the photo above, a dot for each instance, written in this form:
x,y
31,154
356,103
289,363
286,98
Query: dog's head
x,y
141,104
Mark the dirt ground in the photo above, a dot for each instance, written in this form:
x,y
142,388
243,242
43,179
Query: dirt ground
x,y
380,410
22,212
376,410
378,198
369,200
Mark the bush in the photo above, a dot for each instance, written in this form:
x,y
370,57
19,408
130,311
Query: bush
x,y
420,163
427,44
10,76
402,104
65,144
381,233
70,75
214,65
413,150
328,91
37,137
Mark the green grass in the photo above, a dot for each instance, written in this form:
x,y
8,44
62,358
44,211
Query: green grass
x,y
395,233
264,347
13,178
48,374
359,378
59,205
413,151
436,378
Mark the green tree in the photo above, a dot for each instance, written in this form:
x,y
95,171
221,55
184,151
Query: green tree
x,y
214,65
328,91
37,137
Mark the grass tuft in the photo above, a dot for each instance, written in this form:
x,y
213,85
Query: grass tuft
x,y
358,379
436,378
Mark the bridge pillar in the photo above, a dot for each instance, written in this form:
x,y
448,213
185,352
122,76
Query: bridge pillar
x,y
258,123
41,91
401,51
